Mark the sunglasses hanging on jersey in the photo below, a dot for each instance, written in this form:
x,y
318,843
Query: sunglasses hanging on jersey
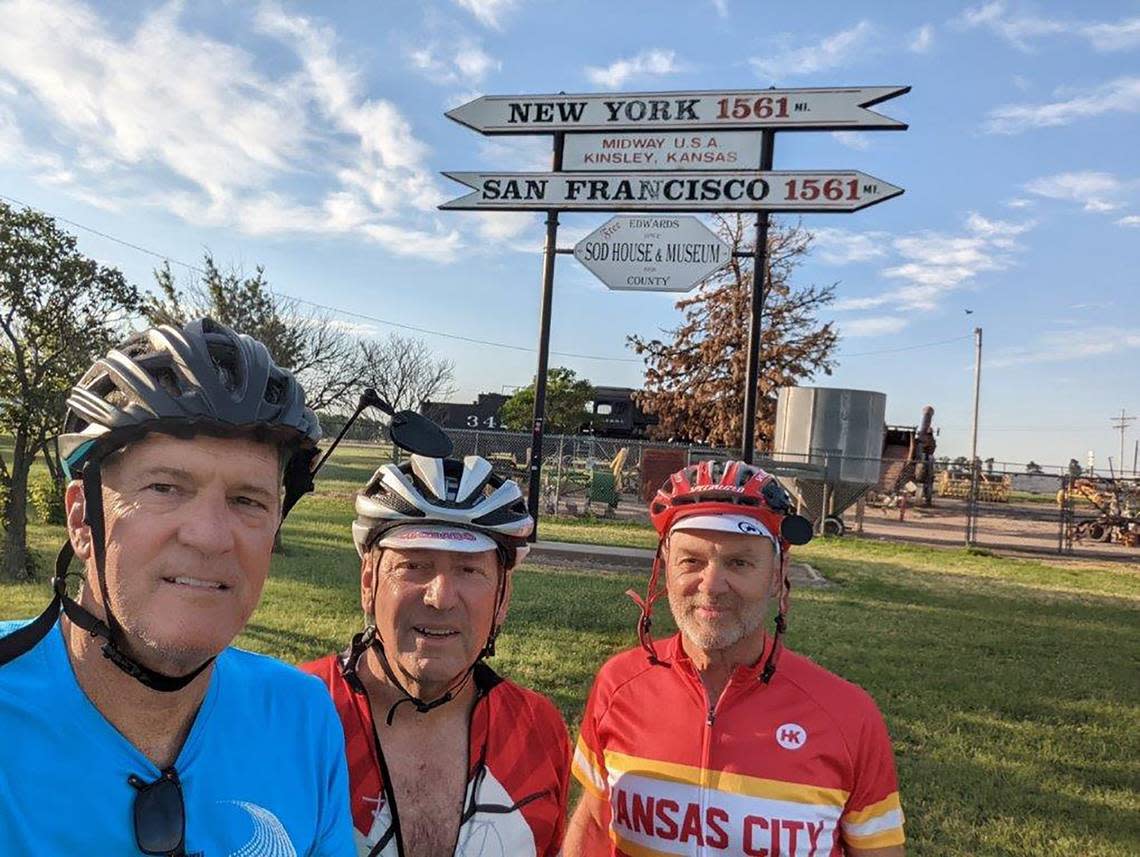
x,y
160,815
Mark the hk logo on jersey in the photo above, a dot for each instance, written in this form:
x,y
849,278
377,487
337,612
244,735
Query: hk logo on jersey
x,y
791,736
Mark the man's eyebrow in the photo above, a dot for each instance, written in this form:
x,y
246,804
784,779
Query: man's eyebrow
x,y
183,475
251,488
166,470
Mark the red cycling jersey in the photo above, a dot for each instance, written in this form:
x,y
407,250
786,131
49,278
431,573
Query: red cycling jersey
x,y
794,768
518,769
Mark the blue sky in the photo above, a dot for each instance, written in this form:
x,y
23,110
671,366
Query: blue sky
x,y
309,138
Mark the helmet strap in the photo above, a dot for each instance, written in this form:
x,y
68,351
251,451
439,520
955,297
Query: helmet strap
x,y
781,623
645,621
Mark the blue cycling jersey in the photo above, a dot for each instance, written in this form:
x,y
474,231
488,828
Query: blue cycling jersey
x,y
262,771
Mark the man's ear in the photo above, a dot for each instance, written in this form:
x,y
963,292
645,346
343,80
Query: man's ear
x,y
368,571
75,505
779,572
501,616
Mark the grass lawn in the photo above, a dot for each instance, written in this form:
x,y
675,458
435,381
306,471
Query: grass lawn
x,y
1010,686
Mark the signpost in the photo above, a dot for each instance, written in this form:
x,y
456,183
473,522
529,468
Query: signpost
x,y
654,253
824,109
667,152
848,190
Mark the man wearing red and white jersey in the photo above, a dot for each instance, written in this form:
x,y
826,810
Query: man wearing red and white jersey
x,y
473,764
719,740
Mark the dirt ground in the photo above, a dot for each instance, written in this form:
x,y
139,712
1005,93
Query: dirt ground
x,y
1016,528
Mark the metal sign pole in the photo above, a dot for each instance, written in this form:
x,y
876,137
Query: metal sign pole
x,y
549,253
759,265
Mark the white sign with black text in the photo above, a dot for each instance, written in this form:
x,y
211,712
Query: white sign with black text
x,y
820,109
652,253
710,150
778,190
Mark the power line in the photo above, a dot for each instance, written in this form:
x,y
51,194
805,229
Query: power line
x,y
327,307
425,330
910,347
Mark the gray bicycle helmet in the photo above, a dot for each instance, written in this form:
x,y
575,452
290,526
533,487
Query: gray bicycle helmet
x,y
203,376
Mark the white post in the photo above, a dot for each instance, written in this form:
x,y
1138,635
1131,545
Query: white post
x,y
972,507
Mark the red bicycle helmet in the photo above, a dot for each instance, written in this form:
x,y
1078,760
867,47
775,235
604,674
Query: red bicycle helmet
x,y
724,488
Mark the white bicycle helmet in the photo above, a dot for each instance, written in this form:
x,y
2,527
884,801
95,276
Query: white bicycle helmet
x,y
423,490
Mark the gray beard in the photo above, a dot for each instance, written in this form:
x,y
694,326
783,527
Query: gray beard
x,y
725,634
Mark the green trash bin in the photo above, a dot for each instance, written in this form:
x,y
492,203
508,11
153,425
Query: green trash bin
x,y
602,489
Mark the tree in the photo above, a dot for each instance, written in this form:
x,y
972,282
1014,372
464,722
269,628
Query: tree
x,y
1033,467
320,353
59,311
404,371
694,379
566,398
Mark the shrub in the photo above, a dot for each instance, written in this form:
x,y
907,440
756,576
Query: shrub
x,y
45,497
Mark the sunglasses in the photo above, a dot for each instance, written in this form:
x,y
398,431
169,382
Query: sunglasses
x,y
160,815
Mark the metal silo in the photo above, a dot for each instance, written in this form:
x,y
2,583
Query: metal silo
x,y
839,433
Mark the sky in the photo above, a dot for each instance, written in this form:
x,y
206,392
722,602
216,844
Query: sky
x,y
310,138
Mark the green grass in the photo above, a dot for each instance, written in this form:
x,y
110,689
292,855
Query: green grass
x,y
1010,686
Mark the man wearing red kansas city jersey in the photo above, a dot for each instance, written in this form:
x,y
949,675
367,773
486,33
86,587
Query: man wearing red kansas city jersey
x,y
719,740
444,756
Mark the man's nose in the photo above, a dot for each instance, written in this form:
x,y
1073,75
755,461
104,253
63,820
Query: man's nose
x,y
208,527
440,592
714,578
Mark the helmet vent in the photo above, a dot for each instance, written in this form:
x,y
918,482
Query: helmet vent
x,y
224,357
275,391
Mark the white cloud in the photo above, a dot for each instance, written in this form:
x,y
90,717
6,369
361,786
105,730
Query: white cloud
x,y
490,13
1118,96
1019,202
1129,220
207,135
872,326
1113,37
466,64
922,39
836,50
1094,190
933,264
1000,233
1071,346
650,63
721,7
1015,29
841,247
852,139
1021,29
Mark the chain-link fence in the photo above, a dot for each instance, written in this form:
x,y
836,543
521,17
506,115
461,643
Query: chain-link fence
x,y
1018,507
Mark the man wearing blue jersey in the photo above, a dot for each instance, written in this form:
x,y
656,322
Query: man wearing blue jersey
x,y
129,725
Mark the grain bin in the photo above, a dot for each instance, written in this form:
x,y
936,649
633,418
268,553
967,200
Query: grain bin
x,y
839,431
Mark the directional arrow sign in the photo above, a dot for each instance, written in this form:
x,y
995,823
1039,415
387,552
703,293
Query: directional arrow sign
x,y
847,190
652,253
833,109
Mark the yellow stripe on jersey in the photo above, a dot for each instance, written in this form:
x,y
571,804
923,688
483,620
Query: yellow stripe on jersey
x,y
732,783
867,813
884,839
587,771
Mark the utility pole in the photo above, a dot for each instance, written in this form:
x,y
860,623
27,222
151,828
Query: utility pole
x,y
1121,423
972,503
